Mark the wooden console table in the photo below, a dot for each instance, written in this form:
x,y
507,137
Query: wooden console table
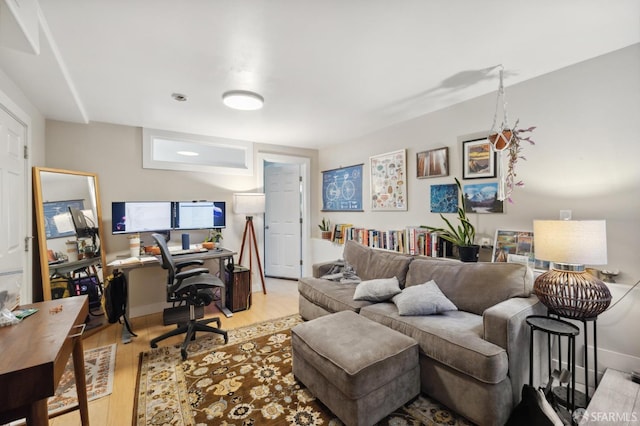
x,y
34,354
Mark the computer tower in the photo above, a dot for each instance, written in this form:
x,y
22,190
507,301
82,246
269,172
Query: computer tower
x,y
238,289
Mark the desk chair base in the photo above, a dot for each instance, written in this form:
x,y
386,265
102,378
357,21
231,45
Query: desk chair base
x,y
190,329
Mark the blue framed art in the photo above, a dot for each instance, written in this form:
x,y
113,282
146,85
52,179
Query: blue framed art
x,y
444,198
342,189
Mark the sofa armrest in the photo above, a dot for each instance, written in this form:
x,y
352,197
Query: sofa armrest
x,y
505,325
320,269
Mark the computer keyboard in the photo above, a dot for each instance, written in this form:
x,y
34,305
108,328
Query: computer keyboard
x,y
178,252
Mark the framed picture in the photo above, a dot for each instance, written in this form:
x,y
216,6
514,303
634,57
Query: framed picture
x,y
432,163
482,198
342,189
516,247
389,181
478,159
444,198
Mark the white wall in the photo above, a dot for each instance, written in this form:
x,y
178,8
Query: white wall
x,y
585,159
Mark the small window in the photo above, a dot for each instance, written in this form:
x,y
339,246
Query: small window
x,y
181,151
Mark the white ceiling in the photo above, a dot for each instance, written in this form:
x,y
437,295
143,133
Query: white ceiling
x,y
329,70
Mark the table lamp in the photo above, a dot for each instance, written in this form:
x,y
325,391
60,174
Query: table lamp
x,y
250,204
567,289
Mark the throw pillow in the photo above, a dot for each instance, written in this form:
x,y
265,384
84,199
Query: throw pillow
x,y
423,299
377,290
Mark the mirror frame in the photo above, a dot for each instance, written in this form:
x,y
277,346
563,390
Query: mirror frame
x,y
40,223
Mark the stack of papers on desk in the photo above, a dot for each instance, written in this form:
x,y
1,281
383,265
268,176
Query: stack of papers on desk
x,y
133,260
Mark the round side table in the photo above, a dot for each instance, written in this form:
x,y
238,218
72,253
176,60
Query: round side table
x,y
560,328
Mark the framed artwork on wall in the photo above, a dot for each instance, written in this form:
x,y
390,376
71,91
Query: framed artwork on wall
x,y
478,159
342,189
389,181
432,163
482,198
444,198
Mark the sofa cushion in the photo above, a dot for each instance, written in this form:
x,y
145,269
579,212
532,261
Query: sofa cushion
x,y
423,299
473,287
377,290
452,338
371,263
330,295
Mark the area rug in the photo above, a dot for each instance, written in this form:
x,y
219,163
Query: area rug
x,y
99,366
246,382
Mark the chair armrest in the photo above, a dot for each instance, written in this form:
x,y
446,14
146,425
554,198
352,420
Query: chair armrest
x,y
505,325
320,269
185,263
191,273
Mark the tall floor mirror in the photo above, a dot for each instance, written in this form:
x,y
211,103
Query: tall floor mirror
x,y
69,224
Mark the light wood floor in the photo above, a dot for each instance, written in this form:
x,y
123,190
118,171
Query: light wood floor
x,y
117,409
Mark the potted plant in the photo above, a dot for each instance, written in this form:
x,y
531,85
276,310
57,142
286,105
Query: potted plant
x,y
213,239
325,228
462,235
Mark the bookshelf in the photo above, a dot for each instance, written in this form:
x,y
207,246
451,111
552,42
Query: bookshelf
x,y
413,240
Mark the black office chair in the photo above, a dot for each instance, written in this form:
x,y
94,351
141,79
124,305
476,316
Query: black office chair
x,y
193,287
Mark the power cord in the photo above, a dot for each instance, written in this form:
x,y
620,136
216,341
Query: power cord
x,y
623,296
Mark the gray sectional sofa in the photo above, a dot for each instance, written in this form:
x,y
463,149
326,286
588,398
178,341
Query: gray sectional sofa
x,y
474,359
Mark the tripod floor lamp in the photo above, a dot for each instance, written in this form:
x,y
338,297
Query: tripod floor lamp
x,y
250,204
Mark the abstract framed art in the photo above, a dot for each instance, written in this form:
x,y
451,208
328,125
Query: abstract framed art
x,y
432,163
478,159
389,181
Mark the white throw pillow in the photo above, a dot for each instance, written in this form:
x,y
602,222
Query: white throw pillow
x,y
377,290
423,299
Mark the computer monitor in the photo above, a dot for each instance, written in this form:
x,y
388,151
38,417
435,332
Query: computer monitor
x,y
199,215
83,230
140,216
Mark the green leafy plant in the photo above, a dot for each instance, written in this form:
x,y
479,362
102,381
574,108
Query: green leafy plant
x,y
461,235
215,236
515,154
325,225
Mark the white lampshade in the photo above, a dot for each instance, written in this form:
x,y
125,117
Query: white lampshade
x,y
248,203
578,242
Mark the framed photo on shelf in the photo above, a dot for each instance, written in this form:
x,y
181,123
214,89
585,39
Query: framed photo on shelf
x,y
479,161
342,189
517,247
482,198
389,181
432,163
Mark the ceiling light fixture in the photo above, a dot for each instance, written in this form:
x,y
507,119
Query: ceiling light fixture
x,y
242,100
188,153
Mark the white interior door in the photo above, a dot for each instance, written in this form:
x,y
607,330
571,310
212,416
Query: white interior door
x,y
283,229
12,209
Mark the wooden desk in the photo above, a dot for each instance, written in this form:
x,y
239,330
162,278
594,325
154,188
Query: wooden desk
x,y
222,255
33,355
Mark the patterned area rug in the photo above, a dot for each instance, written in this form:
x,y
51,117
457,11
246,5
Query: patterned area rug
x,y
99,365
246,382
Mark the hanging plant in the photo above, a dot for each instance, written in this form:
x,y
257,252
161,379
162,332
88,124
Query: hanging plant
x,y
514,153
507,139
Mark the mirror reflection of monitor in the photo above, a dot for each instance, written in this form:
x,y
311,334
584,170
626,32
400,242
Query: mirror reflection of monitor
x,y
83,230
199,215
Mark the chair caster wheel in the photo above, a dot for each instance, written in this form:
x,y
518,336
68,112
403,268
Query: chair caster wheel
x,y
183,352
218,322
154,345
226,338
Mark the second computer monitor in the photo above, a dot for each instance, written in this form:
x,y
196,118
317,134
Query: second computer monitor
x,y
199,215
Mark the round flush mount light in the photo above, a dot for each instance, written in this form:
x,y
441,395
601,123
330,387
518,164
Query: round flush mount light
x,y
242,100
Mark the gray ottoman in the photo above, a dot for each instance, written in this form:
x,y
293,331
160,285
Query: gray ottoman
x,y
361,370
